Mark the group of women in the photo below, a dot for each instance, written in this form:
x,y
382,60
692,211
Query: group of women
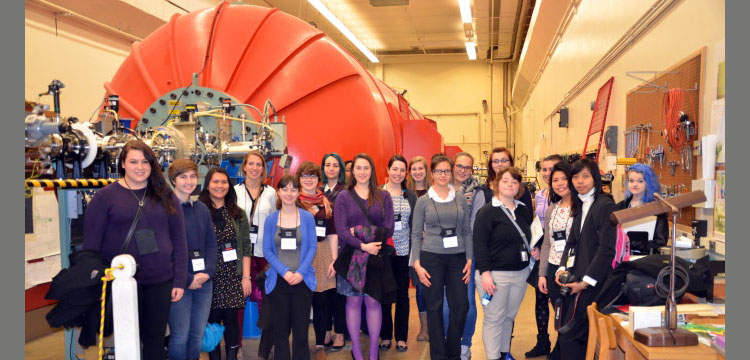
x,y
345,247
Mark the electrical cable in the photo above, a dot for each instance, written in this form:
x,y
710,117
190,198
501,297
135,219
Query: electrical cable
x,y
661,286
672,104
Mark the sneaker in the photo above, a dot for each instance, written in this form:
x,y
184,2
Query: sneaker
x,y
465,352
509,357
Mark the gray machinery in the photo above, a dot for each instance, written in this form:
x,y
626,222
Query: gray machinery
x,y
202,124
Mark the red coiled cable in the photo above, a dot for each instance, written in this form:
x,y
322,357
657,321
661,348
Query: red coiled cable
x,y
671,108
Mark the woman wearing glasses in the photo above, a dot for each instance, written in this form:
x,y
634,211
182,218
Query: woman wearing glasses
x,y
500,159
313,200
468,186
442,256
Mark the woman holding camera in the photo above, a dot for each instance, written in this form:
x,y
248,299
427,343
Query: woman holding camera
x,y
501,236
442,255
364,221
587,257
558,221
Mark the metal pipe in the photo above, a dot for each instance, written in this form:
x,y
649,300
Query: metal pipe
x,y
88,20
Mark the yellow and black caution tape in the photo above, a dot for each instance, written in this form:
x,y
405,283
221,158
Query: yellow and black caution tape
x,y
105,279
69,183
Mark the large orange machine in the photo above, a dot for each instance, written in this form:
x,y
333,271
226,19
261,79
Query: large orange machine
x,y
328,100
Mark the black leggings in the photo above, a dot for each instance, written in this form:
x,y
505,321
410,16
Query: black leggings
x,y
400,266
154,302
541,306
324,306
228,318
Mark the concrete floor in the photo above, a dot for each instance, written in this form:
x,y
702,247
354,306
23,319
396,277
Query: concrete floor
x,y
52,346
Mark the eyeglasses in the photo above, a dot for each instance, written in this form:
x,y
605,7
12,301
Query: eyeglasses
x,y
441,172
498,161
308,176
464,168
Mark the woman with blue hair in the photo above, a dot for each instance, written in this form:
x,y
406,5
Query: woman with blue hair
x,y
642,183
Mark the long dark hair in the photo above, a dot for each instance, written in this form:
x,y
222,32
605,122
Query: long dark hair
x,y
373,183
230,200
491,172
565,169
593,168
157,187
400,158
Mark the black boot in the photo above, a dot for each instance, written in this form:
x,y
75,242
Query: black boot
x,y
541,348
232,353
216,353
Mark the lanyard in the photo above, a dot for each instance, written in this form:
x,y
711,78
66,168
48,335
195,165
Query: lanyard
x,y
523,236
255,201
438,213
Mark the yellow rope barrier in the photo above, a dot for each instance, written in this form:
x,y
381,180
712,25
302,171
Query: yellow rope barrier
x,y
105,279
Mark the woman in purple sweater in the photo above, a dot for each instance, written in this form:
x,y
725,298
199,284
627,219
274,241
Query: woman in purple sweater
x,y
364,281
158,243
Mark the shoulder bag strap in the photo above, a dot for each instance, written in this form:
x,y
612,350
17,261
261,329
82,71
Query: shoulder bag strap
x,y
364,210
132,230
523,236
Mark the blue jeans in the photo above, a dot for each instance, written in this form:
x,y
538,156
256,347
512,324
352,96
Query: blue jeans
x,y
471,317
187,321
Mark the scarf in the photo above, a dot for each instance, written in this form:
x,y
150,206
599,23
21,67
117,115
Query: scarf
x,y
357,271
468,187
319,200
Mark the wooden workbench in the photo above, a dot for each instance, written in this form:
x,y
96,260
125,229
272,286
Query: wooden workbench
x,y
636,351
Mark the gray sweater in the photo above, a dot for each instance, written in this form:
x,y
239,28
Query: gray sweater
x,y
426,218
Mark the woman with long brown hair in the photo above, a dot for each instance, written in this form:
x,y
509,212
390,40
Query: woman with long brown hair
x,y
364,220
158,243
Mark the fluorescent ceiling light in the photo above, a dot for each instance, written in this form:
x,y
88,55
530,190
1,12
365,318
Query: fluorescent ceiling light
x,y
465,7
471,50
344,30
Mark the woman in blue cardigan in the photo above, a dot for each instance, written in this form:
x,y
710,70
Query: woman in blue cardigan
x,y
289,245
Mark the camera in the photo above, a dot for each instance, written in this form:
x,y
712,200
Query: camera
x,y
566,278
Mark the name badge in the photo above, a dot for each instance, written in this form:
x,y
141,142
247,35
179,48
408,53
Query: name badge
x,y
398,225
289,239
571,262
559,245
229,253
560,239
320,228
196,258
253,234
571,258
524,255
450,239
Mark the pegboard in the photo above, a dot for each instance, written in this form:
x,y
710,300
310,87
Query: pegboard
x,y
644,105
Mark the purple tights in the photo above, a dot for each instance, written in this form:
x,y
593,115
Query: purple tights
x,y
354,321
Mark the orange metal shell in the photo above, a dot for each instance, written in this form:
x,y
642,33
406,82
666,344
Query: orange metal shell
x,y
331,103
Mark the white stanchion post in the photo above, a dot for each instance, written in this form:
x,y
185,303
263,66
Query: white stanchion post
x,y
125,308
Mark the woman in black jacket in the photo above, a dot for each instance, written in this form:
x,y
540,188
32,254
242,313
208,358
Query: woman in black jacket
x,y
403,203
501,236
642,184
587,256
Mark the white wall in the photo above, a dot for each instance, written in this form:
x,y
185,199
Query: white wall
x,y
80,56
596,26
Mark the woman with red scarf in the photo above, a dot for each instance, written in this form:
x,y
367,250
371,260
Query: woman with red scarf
x,y
312,199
